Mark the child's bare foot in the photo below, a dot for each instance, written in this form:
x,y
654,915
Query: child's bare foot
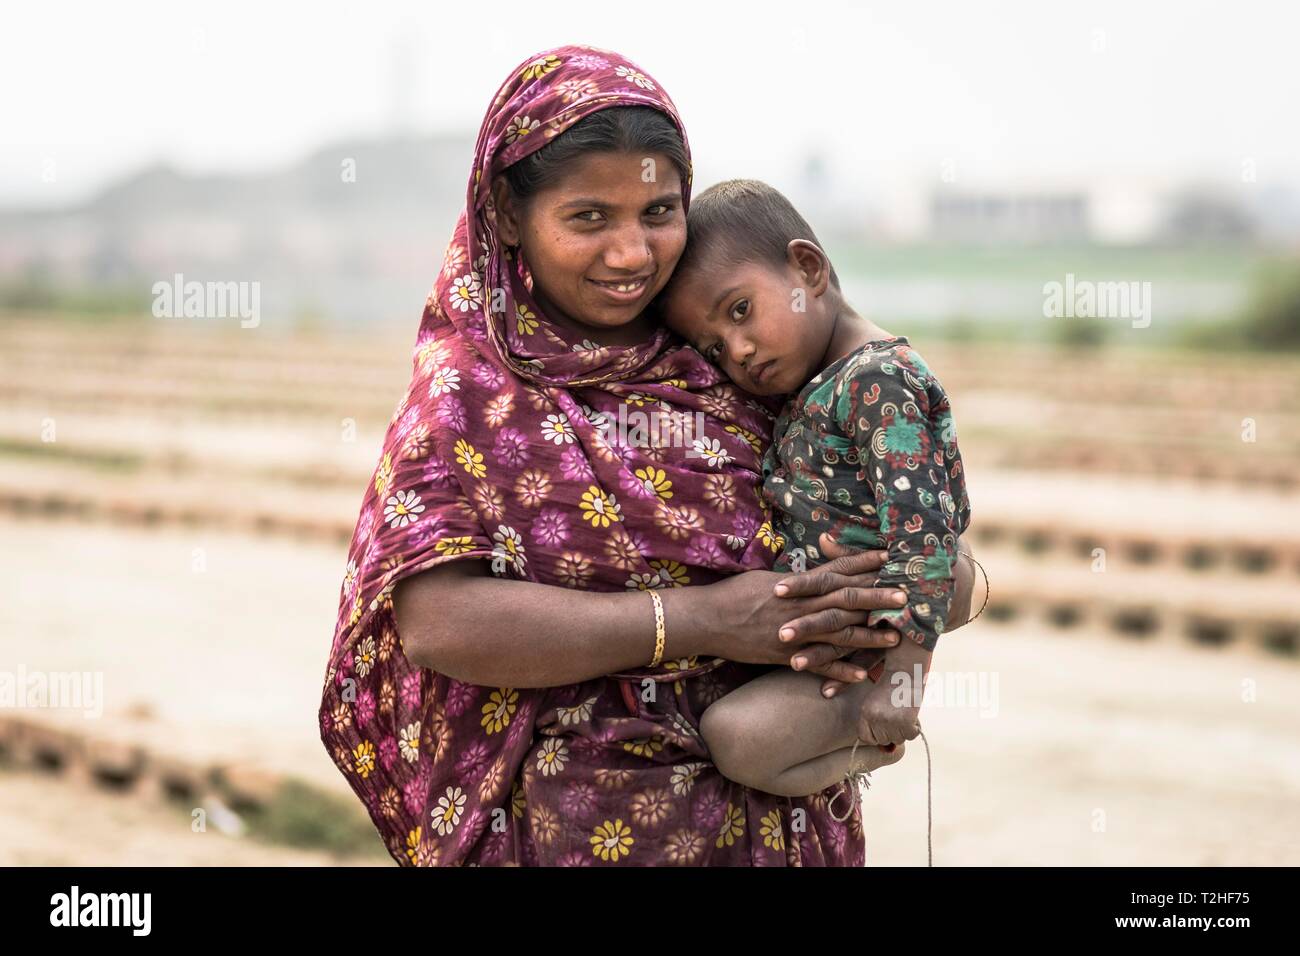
x,y
871,757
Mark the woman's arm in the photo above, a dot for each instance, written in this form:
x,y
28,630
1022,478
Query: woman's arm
x,y
461,621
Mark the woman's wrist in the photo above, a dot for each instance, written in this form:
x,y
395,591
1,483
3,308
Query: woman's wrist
x,y
690,626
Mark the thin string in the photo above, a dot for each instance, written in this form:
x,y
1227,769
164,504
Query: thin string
x,y
987,590
864,784
863,777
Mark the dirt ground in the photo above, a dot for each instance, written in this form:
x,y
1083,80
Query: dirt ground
x,y
1077,748
143,544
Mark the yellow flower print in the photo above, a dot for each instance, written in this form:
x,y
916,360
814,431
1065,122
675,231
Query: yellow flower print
x,y
525,320
451,546
469,459
655,481
364,759
540,67
769,537
733,826
518,804
599,508
384,474
749,436
612,841
676,382
773,835
500,707
681,664
672,573
644,746
413,843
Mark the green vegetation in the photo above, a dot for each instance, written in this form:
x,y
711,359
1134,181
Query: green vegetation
x,y
308,818
1272,320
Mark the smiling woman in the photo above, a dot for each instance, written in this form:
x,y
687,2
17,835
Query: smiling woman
x,y
501,689
598,214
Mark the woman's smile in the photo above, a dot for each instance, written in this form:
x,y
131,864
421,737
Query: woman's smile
x,y
626,291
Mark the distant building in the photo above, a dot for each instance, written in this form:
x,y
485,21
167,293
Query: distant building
x,y
997,218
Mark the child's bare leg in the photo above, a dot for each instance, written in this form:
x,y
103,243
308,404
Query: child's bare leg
x,y
780,735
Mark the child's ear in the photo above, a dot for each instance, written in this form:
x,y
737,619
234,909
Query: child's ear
x,y
811,263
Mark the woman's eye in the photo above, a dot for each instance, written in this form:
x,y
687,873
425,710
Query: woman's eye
x,y
741,307
663,209
589,212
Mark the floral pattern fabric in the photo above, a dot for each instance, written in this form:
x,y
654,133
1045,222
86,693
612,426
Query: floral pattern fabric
x,y
500,452
867,452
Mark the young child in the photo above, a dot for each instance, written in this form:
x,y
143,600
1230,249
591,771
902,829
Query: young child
x,y
864,457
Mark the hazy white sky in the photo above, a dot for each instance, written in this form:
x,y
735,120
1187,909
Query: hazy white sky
x,y
1006,93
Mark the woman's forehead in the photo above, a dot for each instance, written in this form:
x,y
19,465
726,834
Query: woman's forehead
x,y
616,179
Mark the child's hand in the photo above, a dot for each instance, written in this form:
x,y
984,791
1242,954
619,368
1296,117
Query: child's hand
x,y
892,706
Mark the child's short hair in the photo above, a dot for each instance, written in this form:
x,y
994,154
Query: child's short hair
x,y
739,221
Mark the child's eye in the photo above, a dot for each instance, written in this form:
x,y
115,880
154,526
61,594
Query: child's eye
x,y
737,308
589,212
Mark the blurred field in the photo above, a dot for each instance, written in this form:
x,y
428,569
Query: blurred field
x,y
184,533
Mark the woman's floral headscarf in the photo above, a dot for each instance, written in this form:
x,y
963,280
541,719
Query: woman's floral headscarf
x,y
507,448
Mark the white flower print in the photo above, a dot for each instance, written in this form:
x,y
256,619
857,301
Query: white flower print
x,y
510,546
712,451
552,757
581,713
409,744
446,815
365,657
443,381
520,126
402,509
640,79
466,292
556,429
683,778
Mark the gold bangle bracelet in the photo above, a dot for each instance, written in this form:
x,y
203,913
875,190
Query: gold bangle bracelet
x,y
659,629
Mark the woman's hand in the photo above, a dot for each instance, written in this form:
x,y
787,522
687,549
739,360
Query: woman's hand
x,y
763,617
958,612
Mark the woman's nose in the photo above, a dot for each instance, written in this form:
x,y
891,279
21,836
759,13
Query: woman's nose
x,y
628,250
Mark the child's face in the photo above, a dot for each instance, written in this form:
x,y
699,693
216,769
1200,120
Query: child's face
x,y
758,324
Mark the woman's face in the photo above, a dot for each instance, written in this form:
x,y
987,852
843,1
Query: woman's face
x,y
601,242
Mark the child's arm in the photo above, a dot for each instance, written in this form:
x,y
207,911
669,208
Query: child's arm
x,y
901,423
899,419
